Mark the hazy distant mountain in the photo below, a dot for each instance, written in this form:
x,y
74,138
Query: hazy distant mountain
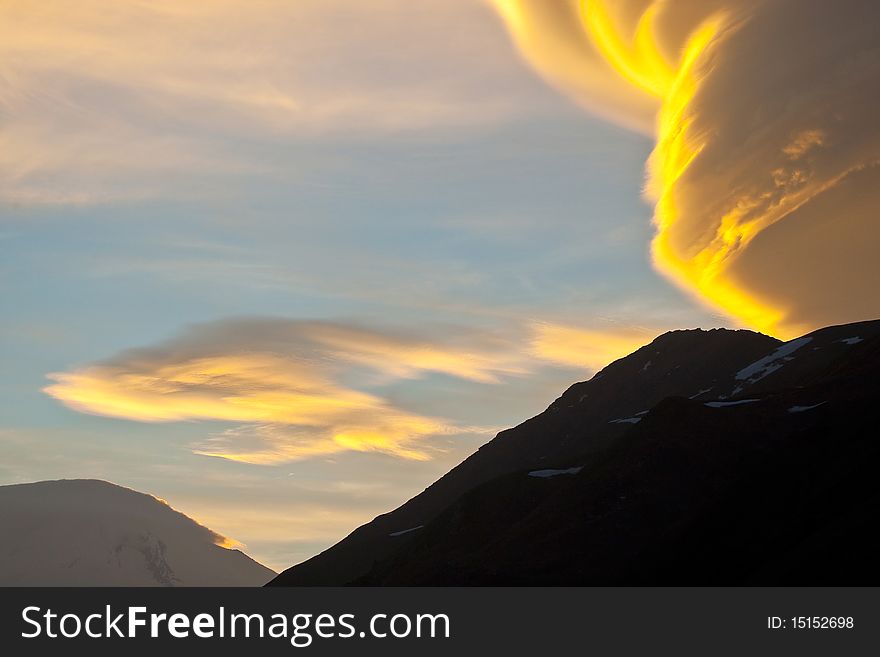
x,y
83,532
706,457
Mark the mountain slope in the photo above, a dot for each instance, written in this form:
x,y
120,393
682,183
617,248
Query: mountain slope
x,y
775,490
85,532
804,360
776,486
583,422
734,459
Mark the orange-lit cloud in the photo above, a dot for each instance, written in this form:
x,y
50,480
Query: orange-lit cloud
x,y
762,111
292,390
589,348
218,539
289,386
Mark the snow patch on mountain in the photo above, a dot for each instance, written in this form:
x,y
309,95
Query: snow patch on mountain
x,y
406,531
724,404
700,392
801,409
545,474
770,363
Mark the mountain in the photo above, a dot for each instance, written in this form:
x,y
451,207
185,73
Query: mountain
x,y
705,457
83,532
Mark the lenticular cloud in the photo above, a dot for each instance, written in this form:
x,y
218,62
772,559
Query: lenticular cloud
x,y
764,176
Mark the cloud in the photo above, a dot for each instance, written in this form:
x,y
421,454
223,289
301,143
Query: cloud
x,y
285,390
590,348
294,389
763,113
107,100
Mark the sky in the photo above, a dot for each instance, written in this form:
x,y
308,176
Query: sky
x,y
285,264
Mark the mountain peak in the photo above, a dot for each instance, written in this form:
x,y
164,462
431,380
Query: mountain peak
x,y
687,336
582,422
90,532
643,475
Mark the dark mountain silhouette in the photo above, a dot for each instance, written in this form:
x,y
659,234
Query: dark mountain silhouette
x,y
85,532
705,457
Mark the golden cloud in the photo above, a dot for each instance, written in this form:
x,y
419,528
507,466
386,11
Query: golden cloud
x,y
590,348
282,380
299,389
760,109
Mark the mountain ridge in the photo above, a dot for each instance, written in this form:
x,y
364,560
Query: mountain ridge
x,y
588,418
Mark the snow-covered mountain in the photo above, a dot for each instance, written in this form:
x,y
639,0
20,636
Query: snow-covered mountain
x,y
84,532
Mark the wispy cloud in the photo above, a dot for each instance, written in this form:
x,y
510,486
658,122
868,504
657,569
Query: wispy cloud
x,y
293,389
104,100
582,347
